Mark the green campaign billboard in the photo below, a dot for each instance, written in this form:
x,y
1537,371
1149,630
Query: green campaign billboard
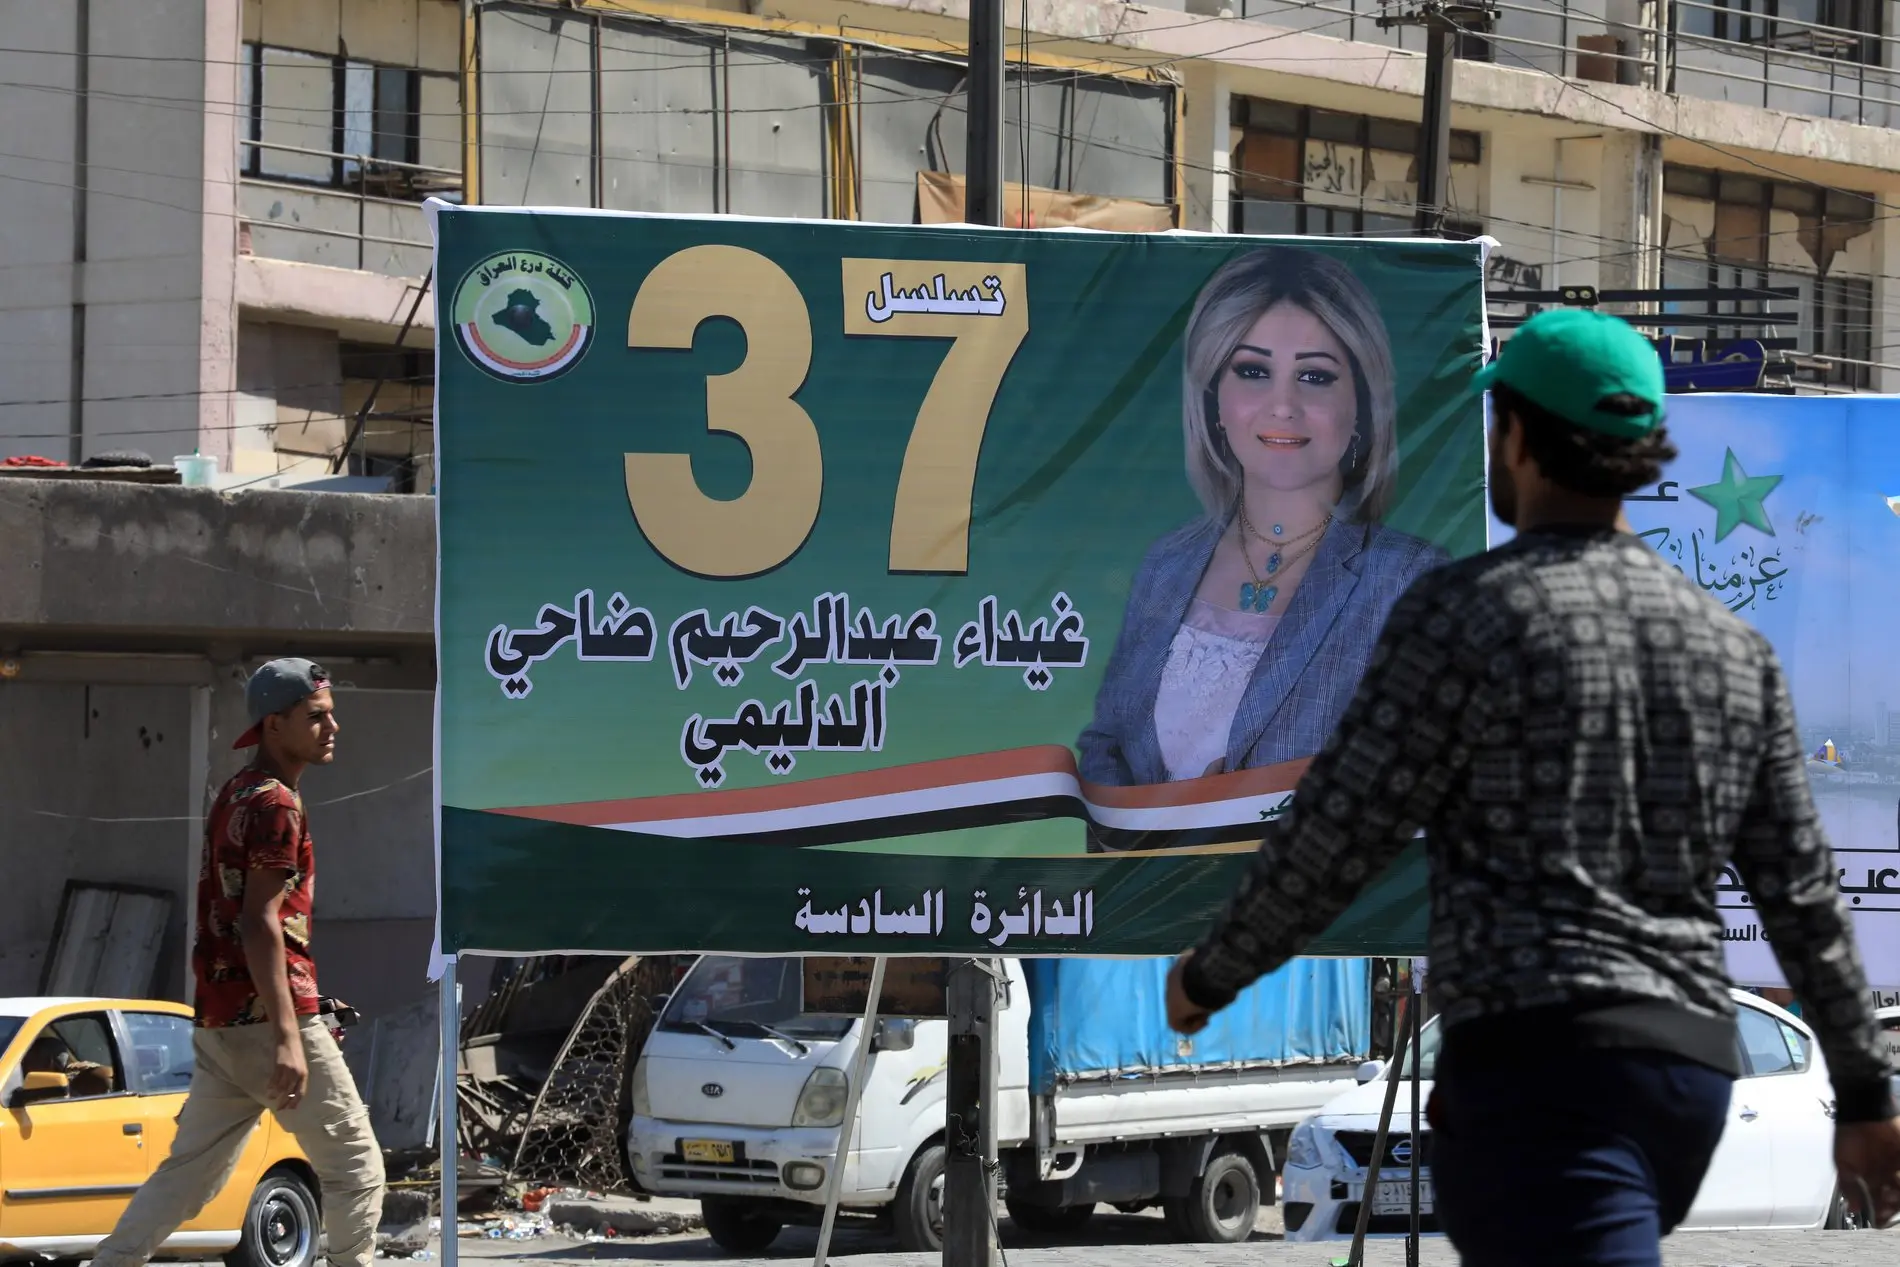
x,y
845,588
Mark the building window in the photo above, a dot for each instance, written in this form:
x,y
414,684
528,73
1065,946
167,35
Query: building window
x,y
1830,339
396,440
1300,170
1844,320
380,110
344,123
1844,29
1744,203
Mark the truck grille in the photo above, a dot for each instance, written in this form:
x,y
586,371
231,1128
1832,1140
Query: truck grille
x,y
1358,1146
674,1166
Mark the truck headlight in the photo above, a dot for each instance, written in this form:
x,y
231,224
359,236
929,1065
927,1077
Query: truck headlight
x,y
821,1103
642,1102
1303,1149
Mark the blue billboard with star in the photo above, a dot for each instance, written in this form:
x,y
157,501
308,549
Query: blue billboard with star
x,y
1786,510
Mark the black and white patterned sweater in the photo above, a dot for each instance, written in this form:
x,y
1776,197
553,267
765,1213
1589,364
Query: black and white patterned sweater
x,y
1586,740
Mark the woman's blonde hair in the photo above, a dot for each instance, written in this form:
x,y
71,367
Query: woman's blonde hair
x,y
1229,304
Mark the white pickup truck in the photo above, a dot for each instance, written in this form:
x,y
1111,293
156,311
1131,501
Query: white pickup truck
x,y
739,1095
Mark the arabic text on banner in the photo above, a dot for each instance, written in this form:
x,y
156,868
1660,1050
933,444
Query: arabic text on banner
x,y
817,588
1785,510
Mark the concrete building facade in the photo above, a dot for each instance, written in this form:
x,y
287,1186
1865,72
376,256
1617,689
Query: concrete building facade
x,y
214,234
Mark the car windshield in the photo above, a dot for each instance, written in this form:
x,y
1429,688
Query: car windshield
x,y
748,998
1428,1046
9,1026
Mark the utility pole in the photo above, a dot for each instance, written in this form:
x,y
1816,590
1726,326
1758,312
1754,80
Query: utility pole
x,y
1443,21
983,150
969,1185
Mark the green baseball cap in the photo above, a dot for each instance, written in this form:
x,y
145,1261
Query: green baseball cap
x,y
1568,360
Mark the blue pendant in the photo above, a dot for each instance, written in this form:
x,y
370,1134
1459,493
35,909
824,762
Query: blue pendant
x,y
1246,595
1273,563
1278,530
1264,599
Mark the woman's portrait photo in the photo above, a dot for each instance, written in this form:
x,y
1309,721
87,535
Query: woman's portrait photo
x,y
1247,629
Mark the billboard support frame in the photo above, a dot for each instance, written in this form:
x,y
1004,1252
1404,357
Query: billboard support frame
x,y
448,1128
854,1091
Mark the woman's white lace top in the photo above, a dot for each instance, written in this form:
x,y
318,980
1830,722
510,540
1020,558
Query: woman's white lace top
x,y
1210,663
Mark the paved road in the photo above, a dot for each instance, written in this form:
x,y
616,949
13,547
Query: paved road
x,y
1137,1241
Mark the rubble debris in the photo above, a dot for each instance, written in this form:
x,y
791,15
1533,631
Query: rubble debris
x,y
550,1106
611,1217
406,1225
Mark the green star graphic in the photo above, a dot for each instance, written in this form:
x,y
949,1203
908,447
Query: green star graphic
x,y
1738,498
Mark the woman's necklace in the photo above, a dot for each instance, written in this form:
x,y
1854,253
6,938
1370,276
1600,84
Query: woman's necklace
x,y
1257,595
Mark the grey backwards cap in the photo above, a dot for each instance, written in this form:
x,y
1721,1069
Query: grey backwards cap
x,y
275,687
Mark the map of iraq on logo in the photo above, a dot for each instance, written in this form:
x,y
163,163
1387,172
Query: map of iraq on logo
x,y
522,316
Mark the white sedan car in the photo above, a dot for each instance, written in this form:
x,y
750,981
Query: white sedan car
x,y
1773,1169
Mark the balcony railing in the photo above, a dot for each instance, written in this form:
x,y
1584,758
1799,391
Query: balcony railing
x,y
373,222
1786,64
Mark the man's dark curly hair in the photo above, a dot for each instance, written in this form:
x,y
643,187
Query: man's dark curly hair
x,y
1584,461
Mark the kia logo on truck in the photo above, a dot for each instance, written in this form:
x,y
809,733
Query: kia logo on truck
x,y
712,1090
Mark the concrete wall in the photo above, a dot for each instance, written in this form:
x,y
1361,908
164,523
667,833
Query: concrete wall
x,y
119,226
118,273
671,142
373,824
131,616
96,786
293,221
95,564
37,83
425,33
93,787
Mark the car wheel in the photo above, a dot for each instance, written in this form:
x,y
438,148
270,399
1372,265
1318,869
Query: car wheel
x,y
917,1216
1841,1216
1047,1220
1224,1203
737,1228
281,1225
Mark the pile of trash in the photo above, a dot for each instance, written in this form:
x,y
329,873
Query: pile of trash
x,y
506,1227
522,1214
516,1212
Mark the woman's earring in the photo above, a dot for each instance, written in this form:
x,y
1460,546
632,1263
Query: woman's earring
x,y
1352,454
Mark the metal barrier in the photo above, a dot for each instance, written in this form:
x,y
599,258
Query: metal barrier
x,y
1786,48
415,181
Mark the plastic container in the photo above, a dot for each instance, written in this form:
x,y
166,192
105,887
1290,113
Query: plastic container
x,y
195,471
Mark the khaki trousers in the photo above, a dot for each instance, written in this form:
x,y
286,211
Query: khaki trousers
x,y
232,1069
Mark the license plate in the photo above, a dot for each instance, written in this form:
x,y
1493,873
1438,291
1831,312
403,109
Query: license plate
x,y
1396,1198
713,1151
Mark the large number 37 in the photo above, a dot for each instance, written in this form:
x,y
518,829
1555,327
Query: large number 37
x,y
764,526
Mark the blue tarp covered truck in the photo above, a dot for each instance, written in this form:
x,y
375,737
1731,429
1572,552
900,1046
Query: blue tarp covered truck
x,y
739,1095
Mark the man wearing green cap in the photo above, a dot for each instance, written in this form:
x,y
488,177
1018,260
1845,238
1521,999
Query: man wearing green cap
x,y
1586,740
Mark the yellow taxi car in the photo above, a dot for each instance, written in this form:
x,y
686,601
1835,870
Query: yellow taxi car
x,y
90,1091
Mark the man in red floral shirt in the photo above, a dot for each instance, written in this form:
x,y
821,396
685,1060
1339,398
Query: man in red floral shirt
x,y
260,1042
